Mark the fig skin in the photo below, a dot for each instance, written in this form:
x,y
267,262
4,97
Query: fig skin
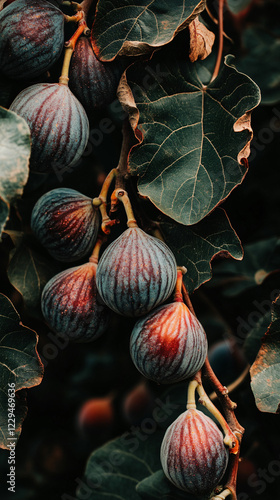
x,y
193,455
169,344
32,38
66,224
93,82
136,273
70,307
58,124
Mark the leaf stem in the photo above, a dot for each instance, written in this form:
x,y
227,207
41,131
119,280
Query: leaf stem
x,y
221,40
122,195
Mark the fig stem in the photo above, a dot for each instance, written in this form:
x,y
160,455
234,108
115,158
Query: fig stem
x,y
69,49
191,403
101,202
229,439
222,495
178,288
122,195
75,18
221,41
95,254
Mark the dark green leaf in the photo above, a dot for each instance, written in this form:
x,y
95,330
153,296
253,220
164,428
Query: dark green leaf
x,y
15,150
190,155
19,365
195,246
265,372
260,260
262,45
115,470
29,271
128,27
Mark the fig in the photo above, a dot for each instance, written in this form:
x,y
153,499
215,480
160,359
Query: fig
x,y
93,82
136,273
58,124
66,224
193,455
70,307
169,344
32,38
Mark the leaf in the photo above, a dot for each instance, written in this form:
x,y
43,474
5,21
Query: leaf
x,y
29,271
195,246
15,148
190,156
253,340
262,45
260,260
237,6
201,40
265,378
115,470
19,365
158,486
131,28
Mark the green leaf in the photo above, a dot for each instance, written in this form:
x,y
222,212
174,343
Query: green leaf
x,y
265,372
193,137
15,148
19,365
195,246
115,470
127,27
29,271
260,260
158,486
262,45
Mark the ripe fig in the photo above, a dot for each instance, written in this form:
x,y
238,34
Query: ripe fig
x,y
93,82
66,224
169,344
193,455
58,124
32,38
69,304
136,273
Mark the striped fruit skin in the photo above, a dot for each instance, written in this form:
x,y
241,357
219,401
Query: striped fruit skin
x,y
136,273
32,38
66,224
58,124
193,455
94,83
169,344
69,304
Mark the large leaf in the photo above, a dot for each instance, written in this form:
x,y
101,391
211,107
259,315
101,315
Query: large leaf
x,y
195,246
29,271
19,365
128,27
15,148
265,372
253,340
260,260
115,470
263,45
193,137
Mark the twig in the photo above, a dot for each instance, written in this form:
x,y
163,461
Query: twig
x,y
187,299
221,40
231,387
86,5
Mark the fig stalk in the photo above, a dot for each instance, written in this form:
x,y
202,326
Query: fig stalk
x,y
69,49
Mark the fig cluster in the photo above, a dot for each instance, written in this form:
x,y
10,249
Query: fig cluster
x,y
31,44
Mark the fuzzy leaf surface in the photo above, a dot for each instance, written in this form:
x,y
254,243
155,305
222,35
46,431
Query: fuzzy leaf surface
x,y
193,138
128,27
